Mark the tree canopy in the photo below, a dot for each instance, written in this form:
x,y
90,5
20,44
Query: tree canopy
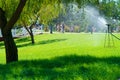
x,y
44,11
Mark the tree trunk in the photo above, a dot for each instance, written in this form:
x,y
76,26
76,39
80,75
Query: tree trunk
x,y
30,32
31,35
51,31
10,47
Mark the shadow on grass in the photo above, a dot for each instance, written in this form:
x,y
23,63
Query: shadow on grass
x,y
20,40
1,45
71,67
24,39
39,43
23,42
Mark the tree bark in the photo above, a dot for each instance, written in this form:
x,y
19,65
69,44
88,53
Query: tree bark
x,y
10,46
50,28
15,16
31,34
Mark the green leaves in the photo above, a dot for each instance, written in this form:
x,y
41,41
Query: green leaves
x,y
47,10
9,6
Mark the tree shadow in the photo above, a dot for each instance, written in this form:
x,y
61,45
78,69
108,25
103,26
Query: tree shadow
x,y
25,39
1,45
20,40
40,43
51,41
63,68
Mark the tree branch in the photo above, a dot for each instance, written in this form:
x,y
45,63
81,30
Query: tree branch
x,y
15,16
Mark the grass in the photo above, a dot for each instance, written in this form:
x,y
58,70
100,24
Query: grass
x,y
68,56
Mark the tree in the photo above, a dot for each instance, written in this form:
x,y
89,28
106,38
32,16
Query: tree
x,y
29,16
6,26
7,22
36,11
48,13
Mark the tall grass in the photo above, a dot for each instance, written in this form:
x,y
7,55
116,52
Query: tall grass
x,y
63,57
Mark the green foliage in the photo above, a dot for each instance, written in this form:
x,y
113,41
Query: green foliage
x,y
9,6
43,10
110,8
48,13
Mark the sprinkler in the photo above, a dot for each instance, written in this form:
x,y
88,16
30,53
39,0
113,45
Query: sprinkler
x,y
109,41
109,30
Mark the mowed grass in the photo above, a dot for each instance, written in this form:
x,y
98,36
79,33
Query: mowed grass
x,y
69,56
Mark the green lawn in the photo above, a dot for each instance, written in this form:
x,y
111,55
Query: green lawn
x,y
69,56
